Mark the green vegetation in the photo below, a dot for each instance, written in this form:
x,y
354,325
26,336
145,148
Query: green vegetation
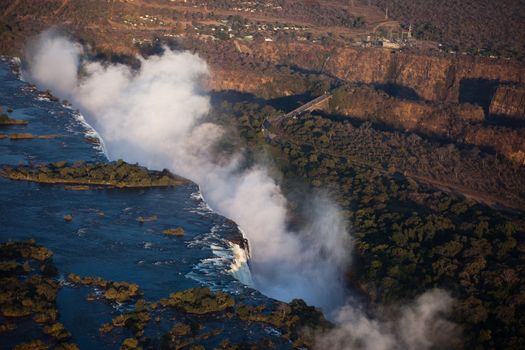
x,y
299,321
196,309
3,28
355,22
427,31
410,236
198,301
29,287
340,144
28,292
116,174
6,120
113,291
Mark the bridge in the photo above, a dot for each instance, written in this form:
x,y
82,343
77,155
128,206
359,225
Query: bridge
x,y
310,106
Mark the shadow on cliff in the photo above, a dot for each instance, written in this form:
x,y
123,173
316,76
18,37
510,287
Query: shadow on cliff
x,y
289,103
398,91
478,92
234,96
284,103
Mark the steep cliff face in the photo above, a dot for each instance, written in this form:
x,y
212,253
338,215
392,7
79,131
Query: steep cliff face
x,y
456,122
240,80
368,104
439,96
424,78
433,78
364,102
265,81
268,85
509,101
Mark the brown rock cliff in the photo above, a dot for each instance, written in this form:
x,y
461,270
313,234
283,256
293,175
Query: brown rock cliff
x,y
509,101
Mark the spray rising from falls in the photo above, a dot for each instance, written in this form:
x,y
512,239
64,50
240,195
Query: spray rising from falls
x,y
417,326
154,116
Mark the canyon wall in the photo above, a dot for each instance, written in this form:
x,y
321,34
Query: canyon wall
x,y
509,101
447,97
455,122
364,102
447,78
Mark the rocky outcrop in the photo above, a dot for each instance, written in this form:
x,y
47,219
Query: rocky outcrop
x,y
242,80
509,102
430,77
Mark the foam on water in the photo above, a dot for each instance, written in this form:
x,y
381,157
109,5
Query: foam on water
x,y
228,255
89,131
240,268
229,258
203,207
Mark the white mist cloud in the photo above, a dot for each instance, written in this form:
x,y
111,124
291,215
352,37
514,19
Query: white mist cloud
x,y
154,116
54,61
418,326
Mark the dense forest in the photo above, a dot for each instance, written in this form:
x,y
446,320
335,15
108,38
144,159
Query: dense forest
x,y
409,236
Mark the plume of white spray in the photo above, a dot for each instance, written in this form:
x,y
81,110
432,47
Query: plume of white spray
x,y
54,61
154,116
418,326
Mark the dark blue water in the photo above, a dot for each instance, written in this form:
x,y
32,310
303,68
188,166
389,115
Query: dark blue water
x,y
104,238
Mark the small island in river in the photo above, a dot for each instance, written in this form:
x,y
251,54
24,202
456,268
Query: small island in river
x,y
116,174
6,120
28,268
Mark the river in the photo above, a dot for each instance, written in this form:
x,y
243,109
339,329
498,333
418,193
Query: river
x,y
104,238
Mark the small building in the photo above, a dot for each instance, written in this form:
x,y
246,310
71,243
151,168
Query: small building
x,y
391,45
